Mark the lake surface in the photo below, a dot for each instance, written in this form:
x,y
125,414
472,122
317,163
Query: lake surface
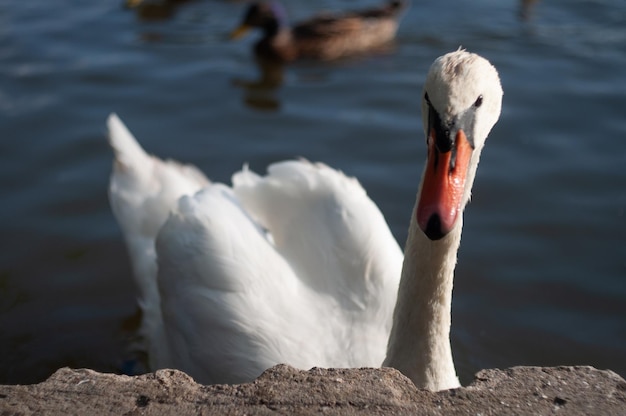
x,y
541,278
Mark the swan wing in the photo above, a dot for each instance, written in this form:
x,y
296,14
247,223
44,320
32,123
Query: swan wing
x,y
266,272
297,266
337,242
232,306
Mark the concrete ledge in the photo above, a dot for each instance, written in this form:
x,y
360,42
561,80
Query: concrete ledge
x,y
283,389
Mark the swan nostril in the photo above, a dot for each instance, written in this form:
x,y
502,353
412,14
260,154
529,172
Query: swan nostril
x,y
433,229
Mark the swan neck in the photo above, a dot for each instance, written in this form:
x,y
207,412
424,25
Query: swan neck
x,y
419,344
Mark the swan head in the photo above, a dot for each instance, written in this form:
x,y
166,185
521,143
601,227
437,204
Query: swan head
x,y
461,103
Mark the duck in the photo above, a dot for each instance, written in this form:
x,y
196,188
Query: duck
x,y
324,37
299,266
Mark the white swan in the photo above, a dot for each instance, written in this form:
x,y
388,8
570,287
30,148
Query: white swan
x,y
299,266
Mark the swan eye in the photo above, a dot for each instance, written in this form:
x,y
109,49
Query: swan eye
x,y
479,101
427,99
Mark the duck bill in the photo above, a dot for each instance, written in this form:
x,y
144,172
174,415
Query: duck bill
x,y
239,32
443,186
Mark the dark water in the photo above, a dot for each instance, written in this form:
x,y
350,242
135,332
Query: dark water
x,y
542,267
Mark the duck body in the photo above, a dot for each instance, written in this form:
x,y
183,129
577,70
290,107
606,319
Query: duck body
x,y
323,37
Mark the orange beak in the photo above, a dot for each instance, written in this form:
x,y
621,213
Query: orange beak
x,y
443,186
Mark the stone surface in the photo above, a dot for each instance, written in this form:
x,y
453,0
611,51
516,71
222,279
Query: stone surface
x,y
285,390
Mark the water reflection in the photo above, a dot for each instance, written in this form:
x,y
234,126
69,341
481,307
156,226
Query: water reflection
x,y
526,9
261,93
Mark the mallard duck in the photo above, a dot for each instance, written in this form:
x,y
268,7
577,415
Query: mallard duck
x,y
323,37
299,266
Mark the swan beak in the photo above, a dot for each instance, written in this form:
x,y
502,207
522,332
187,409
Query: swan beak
x,y
239,32
444,185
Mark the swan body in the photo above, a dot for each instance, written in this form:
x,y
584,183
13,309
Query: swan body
x,y
299,266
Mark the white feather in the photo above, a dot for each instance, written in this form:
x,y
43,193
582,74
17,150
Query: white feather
x,y
298,266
